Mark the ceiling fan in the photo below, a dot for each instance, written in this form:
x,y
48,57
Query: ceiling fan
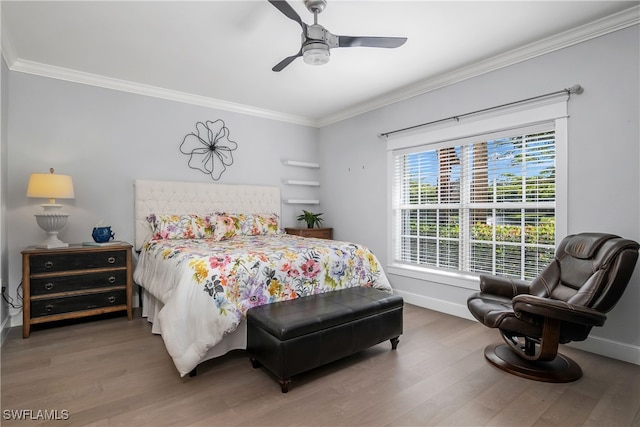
x,y
317,41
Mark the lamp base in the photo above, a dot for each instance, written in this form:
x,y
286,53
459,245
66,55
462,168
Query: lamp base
x,y
52,221
52,242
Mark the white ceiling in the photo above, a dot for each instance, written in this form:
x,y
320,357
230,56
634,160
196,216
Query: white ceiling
x,y
220,53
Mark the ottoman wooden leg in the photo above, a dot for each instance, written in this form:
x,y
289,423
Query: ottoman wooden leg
x,y
255,363
394,342
284,384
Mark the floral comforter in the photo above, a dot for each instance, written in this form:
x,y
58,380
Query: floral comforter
x,y
207,286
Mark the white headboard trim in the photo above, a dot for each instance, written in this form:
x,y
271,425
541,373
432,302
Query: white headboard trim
x,y
176,197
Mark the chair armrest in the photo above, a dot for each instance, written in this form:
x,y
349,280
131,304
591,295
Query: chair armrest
x,y
559,310
503,286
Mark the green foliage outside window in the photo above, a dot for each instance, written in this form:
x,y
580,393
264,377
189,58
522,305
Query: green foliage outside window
x,y
542,234
494,200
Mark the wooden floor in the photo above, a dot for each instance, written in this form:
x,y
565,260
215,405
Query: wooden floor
x,y
114,372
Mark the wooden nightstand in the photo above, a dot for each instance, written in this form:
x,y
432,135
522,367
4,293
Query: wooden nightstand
x,y
320,233
73,282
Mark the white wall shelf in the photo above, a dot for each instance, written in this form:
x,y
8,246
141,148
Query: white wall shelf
x,y
301,164
300,182
301,202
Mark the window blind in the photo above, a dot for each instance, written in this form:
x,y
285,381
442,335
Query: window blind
x,y
483,204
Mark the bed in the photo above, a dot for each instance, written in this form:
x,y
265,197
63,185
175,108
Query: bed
x,y
209,252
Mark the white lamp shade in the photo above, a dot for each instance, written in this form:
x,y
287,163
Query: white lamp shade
x,y
51,220
50,186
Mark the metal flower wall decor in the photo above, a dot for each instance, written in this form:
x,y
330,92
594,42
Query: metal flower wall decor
x,y
209,148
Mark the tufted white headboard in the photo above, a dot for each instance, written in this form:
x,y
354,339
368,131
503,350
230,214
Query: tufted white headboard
x,y
173,197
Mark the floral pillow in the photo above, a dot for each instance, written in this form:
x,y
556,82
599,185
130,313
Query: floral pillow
x,y
180,226
227,225
265,224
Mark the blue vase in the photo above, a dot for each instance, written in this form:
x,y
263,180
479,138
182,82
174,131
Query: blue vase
x,y
102,234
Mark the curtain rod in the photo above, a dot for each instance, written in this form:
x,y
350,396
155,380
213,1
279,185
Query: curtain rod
x,y
577,89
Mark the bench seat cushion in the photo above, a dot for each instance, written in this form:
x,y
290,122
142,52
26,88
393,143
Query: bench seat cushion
x,y
291,337
302,316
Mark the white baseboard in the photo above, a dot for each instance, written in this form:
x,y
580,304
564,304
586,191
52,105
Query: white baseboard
x,y
613,349
593,344
435,304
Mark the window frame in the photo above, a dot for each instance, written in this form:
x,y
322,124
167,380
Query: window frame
x,y
529,113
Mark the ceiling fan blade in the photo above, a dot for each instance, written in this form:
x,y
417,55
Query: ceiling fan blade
x,y
287,10
388,42
286,61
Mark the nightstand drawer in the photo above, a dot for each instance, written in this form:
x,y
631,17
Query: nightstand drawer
x,y
74,282
318,233
52,306
49,263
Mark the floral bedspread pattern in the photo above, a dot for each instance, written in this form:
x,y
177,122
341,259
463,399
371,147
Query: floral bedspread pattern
x,y
207,286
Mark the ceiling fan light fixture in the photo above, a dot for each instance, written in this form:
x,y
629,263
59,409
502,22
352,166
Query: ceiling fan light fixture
x,y
315,53
317,41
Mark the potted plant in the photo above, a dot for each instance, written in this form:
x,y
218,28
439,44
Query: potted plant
x,y
312,219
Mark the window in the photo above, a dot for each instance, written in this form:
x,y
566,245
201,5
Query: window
x,y
485,203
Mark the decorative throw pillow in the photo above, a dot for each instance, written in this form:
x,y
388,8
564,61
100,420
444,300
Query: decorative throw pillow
x,y
265,224
180,226
227,225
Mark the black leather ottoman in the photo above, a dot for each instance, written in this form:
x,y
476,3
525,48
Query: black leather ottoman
x,y
294,336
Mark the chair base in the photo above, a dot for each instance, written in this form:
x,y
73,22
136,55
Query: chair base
x,y
559,370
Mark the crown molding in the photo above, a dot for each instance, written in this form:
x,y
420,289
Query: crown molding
x,y
615,22
66,74
609,24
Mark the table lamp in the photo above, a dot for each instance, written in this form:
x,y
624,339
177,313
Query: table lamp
x,y
51,219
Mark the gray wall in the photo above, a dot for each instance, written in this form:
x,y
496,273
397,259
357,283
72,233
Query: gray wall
x,y
604,162
105,139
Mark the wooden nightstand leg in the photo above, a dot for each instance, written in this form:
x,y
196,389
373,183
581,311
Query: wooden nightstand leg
x,y
130,286
26,296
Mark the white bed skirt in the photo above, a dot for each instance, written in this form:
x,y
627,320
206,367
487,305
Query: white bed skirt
x,y
236,340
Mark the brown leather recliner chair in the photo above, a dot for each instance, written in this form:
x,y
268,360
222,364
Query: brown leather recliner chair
x,y
586,278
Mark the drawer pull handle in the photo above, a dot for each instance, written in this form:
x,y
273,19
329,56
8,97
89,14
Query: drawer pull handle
x,y
48,264
48,286
111,260
48,307
112,299
112,279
